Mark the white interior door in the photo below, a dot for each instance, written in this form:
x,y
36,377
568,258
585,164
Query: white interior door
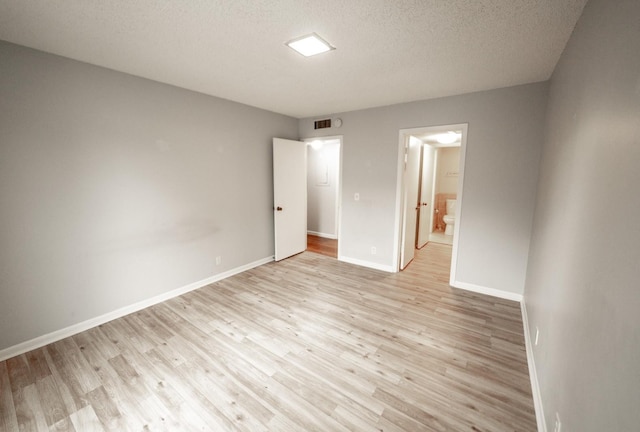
x,y
289,197
411,180
426,195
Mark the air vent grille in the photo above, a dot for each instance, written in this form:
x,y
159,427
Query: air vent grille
x,y
322,124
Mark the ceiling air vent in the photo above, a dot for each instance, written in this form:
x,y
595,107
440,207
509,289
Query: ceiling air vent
x,y
322,124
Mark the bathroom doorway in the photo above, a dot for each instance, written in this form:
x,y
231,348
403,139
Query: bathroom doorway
x,y
444,191
323,194
430,176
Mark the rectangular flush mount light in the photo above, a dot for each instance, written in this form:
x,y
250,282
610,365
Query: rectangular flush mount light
x,y
309,45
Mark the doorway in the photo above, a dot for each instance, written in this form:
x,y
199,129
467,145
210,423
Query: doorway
x,y
424,189
445,172
323,194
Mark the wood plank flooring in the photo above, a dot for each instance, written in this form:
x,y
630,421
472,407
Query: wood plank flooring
x,y
323,246
305,344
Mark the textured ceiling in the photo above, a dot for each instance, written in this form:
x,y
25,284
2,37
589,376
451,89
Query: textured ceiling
x,y
386,51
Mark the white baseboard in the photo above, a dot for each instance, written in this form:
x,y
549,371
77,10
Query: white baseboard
x,y
57,335
488,291
362,263
533,376
323,235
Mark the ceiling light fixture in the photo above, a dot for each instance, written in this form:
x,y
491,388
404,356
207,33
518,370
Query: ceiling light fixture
x,y
309,45
448,138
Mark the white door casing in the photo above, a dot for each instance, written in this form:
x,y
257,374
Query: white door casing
x,y
289,197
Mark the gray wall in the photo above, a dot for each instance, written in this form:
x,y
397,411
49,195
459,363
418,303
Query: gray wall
x,y
582,288
501,169
114,189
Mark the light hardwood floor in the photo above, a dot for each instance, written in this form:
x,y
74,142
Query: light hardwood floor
x,y
306,344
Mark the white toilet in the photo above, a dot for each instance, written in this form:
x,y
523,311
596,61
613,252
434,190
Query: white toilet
x,y
450,218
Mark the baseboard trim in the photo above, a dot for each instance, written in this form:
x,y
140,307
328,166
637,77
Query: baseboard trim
x,y
533,376
488,291
57,335
362,263
323,235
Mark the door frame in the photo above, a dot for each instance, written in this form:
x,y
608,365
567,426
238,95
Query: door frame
x,y
340,138
403,135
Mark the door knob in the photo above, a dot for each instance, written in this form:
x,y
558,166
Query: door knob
x,y
279,208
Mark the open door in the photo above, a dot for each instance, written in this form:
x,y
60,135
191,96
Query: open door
x,y
289,197
411,208
426,195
